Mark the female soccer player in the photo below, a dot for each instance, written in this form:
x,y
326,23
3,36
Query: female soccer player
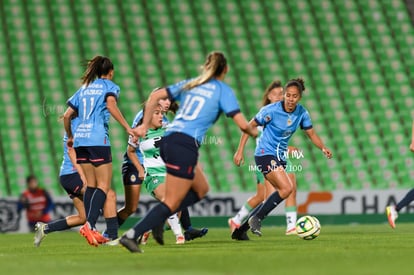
x,y
273,93
392,210
133,174
202,99
93,104
73,181
280,121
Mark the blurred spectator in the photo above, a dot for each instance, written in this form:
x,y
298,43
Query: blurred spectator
x,y
36,201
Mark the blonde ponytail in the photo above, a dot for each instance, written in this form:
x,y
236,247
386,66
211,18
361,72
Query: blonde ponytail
x,y
213,67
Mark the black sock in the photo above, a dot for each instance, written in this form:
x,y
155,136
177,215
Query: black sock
x,y
409,197
185,219
156,216
272,201
58,225
112,227
87,196
120,220
97,203
189,199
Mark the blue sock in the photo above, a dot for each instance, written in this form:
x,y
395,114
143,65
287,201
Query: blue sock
x,y
189,199
156,216
185,219
97,203
272,201
112,227
406,200
58,225
87,196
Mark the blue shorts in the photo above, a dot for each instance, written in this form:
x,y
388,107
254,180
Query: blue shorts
x,y
72,184
268,163
180,154
130,174
95,155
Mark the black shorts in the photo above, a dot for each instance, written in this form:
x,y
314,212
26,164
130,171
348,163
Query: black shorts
x,y
268,163
180,154
95,155
130,174
72,184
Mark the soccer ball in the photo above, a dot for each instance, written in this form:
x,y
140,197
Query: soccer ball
x,y
308,227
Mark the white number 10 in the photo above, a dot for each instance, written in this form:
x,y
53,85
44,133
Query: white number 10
x,y
191,107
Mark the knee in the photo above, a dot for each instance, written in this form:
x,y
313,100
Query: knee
x,y
111,195
285,191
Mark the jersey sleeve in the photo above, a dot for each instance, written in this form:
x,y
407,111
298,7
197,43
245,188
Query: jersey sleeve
x,y
263,116
306,122
73,101
174,91
112,90
228,102
132,143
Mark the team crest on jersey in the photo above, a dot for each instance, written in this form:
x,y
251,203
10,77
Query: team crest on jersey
x,y
133,178
267,118
289,122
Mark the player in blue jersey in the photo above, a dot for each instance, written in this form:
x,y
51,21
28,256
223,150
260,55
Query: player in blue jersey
x,y
133,175
93,104
280,121
202,99
73,181
392,210
273,93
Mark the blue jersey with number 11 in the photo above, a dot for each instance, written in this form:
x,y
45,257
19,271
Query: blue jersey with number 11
x,y
89,102
201,106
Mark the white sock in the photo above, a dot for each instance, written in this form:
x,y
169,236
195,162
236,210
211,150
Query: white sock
x,y
130,233
175,225
241,215
291,220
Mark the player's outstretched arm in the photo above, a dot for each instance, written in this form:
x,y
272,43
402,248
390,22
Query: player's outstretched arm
x,y
238,157
318,142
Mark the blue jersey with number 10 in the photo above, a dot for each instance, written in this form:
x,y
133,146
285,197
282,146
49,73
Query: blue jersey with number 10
x,y
89,102
201,106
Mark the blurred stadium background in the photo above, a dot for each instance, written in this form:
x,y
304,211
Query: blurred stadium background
x,y
356,57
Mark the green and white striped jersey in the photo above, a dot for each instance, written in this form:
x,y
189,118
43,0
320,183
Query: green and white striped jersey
x,y
149,147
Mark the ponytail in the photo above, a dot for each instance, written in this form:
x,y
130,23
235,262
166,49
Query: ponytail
x,y
213,67
95,68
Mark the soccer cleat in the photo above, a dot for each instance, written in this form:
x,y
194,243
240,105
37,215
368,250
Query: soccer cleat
x,y
193,233
179,239
99,238
240,235
158,233
144,237
291,231
233,226
88,233
113,242
39,233
392,215
129,244
255,225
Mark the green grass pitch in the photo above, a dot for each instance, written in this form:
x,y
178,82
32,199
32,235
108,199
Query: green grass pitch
x,y
340,249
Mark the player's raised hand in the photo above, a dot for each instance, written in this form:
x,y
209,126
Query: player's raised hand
x,y
139,131
327,152
238,158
